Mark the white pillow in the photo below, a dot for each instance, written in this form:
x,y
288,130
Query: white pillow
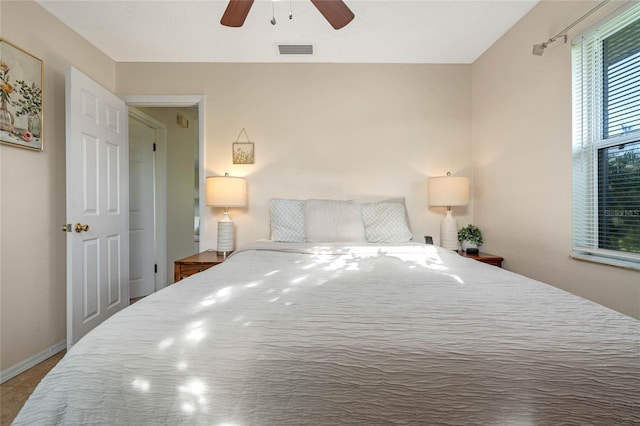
x,y
287,220
333,221
386,222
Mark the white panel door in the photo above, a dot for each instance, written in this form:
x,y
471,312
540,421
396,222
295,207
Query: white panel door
x,y
141,209
97,202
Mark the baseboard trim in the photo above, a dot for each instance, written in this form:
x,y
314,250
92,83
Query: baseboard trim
x,y
23,366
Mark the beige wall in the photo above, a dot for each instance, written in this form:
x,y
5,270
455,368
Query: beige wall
x,y
32,190
325,130
522,158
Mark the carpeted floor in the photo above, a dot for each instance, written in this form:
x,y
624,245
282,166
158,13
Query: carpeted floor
x,y
16,391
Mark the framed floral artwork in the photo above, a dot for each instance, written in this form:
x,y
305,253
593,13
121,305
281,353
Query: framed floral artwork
x,y
21,83
243,152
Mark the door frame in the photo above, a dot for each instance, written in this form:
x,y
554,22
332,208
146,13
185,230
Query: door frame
x,y
159,193
182,101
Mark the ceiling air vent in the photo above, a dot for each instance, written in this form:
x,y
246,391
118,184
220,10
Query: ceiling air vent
x,y
295,49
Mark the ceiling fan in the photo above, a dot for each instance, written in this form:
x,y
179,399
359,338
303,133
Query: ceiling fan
x,y
334,11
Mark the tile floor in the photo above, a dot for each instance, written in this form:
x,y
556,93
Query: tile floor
x,y
16,391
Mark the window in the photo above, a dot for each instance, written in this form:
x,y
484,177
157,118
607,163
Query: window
x,y
606,141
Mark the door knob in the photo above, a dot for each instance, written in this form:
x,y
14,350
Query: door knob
x,y
80,228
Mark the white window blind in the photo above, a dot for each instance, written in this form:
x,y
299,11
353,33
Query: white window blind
x,y
606,141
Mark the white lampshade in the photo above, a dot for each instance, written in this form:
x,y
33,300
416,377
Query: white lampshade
x,y
226,191
449,191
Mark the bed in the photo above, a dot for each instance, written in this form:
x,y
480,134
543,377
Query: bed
x,y
367,333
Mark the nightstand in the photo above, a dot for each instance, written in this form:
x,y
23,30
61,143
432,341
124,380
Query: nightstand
x,y
491,259
199,262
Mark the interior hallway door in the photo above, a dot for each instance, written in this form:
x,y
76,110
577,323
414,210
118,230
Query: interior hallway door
x,y
142,224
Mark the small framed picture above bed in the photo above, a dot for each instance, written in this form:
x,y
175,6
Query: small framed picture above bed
x,y
243,152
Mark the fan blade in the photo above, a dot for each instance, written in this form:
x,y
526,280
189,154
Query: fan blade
x,y
236,13
335,11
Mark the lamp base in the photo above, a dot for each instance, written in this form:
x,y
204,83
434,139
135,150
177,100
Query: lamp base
x,y
225,236
224,254
449,232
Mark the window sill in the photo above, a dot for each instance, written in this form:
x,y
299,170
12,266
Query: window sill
x,y
607,261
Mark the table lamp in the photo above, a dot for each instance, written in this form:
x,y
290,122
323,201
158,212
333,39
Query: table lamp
x,y
226,191
449,191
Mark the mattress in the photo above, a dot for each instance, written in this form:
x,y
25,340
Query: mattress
x,y
339,334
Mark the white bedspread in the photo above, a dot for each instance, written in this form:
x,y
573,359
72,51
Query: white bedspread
x,y
371,335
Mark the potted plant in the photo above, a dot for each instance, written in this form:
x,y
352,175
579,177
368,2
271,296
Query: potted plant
x,y
470,238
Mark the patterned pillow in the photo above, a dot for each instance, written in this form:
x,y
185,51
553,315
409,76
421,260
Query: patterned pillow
x,y
386,222
333,221
287,220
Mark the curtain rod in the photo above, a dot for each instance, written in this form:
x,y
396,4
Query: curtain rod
x,y
538,49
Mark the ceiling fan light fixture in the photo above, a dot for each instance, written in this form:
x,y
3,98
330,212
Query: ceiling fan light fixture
x,y
336,12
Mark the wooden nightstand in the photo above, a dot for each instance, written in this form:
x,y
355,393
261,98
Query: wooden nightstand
x,y
491,259
182,268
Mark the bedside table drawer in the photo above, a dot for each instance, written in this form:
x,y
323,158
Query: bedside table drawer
x,y
187,270
199,262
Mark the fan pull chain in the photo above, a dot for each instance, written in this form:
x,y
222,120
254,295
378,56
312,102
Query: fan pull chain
x,y
290,9
273,12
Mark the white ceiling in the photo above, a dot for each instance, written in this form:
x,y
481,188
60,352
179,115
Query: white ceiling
x,y
383,31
